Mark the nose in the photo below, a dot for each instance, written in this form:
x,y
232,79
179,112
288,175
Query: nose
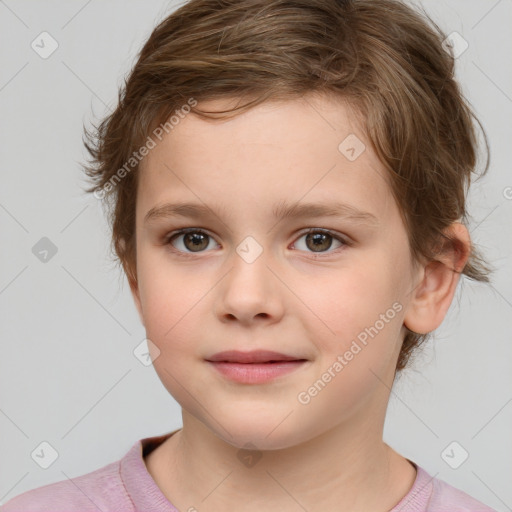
x,y
250,292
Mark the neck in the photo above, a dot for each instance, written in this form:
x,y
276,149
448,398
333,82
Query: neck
x,y
196,469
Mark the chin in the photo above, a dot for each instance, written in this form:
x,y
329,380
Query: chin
x,y
264,432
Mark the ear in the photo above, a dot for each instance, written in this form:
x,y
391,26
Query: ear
x,y
434,293
134,288
130,270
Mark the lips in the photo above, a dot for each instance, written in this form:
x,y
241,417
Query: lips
x,y
252,357
256,366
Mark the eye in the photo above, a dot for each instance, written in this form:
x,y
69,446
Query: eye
x,y
320,240
193,240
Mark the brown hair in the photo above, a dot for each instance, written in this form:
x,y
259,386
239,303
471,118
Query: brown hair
x,y
382,56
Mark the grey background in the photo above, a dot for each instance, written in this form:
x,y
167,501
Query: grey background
x,y
68,375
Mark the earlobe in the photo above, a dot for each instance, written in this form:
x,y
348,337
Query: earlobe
x,y
432,296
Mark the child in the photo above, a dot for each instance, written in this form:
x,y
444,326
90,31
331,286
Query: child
x,y
249,133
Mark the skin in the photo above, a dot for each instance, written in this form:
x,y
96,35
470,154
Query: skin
x,y
327,454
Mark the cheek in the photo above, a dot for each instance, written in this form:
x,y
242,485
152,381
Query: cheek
x,y
336,305
170,300
173,312
356,313
356,329
345,301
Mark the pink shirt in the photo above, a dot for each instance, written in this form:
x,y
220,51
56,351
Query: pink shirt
x,y
126,486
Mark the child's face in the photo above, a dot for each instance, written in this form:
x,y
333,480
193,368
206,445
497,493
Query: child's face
x,y
212,297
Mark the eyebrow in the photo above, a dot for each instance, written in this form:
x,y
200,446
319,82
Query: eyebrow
x,y
280,211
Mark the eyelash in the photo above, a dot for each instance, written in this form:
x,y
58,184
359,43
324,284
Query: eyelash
x,y
175,234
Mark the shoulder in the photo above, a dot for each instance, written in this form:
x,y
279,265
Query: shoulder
x,y
101,489
430,494
449,498
123,485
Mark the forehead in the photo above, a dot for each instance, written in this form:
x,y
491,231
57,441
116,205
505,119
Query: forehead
x,y
275,151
